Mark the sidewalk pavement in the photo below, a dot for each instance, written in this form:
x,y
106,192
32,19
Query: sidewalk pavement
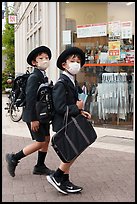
x,y
105,170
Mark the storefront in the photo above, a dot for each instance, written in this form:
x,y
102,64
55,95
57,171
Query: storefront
x,y
105,32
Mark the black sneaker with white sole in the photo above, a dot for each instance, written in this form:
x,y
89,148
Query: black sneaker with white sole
x,y
57,184
71,188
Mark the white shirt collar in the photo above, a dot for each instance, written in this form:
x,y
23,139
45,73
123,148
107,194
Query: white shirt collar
x,y
70,76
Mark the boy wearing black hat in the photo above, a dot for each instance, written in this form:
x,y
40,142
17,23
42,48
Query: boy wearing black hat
x,y
39,58
70,61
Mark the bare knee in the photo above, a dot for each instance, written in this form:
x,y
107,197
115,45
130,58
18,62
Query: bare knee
x,y
45,144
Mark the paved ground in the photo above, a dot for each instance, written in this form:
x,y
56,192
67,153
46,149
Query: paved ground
x,y
105,170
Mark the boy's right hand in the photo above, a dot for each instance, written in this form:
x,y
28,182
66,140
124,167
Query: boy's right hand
x,y
34,126
80,104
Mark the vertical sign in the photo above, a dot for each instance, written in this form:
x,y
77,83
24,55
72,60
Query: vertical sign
x,y
12,19
126,30
114,50
114,30
66,37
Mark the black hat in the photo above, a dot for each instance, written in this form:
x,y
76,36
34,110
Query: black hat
x,y
70,51
36,51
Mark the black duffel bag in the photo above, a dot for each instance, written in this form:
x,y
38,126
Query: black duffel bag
x,y
70,141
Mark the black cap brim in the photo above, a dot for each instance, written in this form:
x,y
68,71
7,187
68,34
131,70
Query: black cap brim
x,y
36,51
70,51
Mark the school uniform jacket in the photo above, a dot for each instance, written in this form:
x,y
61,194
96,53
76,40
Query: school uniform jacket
x,y
63,96
33,83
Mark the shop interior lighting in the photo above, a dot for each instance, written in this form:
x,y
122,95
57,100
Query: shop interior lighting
x,y
129,3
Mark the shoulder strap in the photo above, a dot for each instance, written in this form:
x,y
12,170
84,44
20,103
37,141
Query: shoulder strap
x,y
63,81
38,77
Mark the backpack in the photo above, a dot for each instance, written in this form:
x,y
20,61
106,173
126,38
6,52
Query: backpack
x,y
44,104
19,87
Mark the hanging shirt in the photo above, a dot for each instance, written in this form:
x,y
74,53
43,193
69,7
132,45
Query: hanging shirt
x,y
84,89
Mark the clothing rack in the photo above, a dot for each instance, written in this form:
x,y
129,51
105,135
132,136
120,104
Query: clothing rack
x,y
113,96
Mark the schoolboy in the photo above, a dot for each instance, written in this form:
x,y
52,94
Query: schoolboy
x,y
70,61
38,58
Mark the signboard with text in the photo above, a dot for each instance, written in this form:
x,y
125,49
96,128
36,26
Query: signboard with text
x,y
12,19
92,30
114,50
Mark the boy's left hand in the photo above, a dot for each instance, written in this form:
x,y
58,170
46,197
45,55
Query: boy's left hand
x,y
86,114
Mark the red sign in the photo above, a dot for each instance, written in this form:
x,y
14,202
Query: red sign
x,y
114,52
12,19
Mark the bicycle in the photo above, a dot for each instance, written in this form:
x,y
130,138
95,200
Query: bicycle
x,y
13,111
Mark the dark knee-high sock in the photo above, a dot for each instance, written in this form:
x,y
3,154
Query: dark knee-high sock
x,y
19,155
41,158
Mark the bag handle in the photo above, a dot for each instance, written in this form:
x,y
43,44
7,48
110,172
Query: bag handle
x,y
80,130
65,121
66,116
76,124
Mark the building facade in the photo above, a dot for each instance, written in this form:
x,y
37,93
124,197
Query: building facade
x,y
105,32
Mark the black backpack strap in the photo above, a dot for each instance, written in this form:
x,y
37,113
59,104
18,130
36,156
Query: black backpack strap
x,y
63,81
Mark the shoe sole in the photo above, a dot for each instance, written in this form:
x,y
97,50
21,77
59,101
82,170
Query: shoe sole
x,y
74,191
40,173
53,184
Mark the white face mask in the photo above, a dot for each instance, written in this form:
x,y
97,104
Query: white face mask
x,y
43,65
74,68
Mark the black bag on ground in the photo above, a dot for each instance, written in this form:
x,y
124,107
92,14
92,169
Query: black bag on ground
x,y
70,141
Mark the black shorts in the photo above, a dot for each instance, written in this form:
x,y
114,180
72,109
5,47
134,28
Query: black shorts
x,y
39,136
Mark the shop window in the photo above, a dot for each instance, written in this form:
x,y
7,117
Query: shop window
x,y
107,38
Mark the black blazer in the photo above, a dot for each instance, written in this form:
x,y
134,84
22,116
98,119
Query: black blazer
x,y
64,96
33,82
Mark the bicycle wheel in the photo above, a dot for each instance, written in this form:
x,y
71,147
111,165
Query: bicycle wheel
x,y
15,112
